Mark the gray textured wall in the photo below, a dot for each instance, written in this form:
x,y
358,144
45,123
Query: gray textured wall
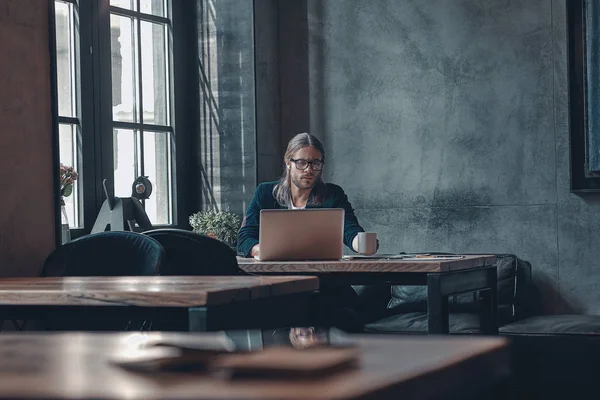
x,y
27,201
446,123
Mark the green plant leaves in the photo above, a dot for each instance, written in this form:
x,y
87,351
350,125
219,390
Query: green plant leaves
x,y
223,225
67,191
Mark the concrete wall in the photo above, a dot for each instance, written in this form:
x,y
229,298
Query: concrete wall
x,y
446,123
26,179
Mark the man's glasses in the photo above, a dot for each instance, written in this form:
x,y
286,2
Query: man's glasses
x,y
301,164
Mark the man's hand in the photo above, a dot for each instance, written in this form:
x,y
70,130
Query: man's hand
x,y
256,251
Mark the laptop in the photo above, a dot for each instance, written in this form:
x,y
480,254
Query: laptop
x,y
308,234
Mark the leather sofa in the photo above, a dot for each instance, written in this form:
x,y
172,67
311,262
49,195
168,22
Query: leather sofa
x,y
406,309
554,356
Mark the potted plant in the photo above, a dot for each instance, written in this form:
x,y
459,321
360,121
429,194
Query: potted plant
x,y
222,225
67,177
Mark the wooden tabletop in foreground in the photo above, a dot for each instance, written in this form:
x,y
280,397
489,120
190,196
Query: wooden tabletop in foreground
x,y
80,366
365,265
150,291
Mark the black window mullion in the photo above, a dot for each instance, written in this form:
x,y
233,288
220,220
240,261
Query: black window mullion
x,y
136,14
136,153
140,131
54,115
78,139
185,108
171,161
68,120
103,90
75,153
168,32
171,176
140,134
75,60
146,127
91,138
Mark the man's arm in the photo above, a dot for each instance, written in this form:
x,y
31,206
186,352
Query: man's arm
x,y
248,233
351,225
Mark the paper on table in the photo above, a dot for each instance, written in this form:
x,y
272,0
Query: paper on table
x,y
404,257
374,257
206,341
433,258
171,352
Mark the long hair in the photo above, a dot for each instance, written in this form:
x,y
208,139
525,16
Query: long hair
x,y
282,191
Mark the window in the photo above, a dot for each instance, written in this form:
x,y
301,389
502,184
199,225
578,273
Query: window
x,y
69,110
115,101
157,88
141,101
584,95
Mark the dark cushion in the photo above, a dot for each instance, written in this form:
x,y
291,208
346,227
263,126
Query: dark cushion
x,y
371,301
416,322
115,253
514,279
190,253
554,325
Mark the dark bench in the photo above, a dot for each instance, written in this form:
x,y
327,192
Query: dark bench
x,y
553,355
403,309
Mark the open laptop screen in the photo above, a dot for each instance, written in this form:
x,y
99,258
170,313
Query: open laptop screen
x,y
308,234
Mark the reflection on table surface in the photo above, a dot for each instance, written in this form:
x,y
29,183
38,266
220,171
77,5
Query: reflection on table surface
x,y
297,337
158,365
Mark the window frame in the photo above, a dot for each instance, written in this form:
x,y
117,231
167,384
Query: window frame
x,y
75,120
582,180
107,123
95,107
91,160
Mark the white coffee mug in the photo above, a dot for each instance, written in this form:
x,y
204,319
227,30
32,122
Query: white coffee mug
x,y
367,243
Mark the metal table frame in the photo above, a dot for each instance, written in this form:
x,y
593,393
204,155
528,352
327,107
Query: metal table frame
x,y
440,286
264,313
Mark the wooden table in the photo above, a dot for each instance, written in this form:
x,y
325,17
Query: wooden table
x,y
208,302
443,279
79,366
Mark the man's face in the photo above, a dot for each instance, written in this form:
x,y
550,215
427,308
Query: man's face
x,y
308,178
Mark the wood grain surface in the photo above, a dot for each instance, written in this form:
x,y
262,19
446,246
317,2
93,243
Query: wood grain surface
x,y
155,291
251,265
80,366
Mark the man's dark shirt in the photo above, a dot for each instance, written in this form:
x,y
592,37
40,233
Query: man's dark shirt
x,y
263,200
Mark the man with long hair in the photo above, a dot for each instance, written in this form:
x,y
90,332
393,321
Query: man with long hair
x,y
300,186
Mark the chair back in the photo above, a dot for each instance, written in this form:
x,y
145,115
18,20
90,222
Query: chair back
x,y
115,253
190,253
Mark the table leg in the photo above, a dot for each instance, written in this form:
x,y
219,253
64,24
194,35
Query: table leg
x,y
489,304
437,305
442,285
